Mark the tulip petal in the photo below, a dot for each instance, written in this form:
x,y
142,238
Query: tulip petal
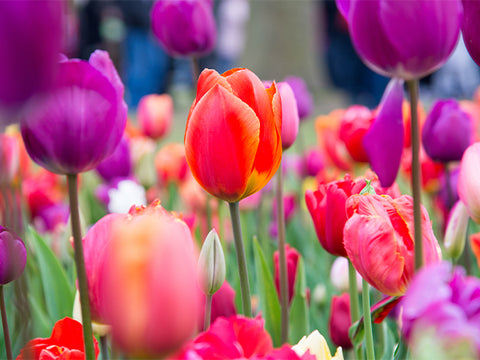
x,y
344,7
384,141
231,124
207,80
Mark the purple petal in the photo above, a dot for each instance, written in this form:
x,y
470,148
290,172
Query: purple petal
x,y
344,7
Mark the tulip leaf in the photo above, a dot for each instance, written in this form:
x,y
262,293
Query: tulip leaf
x,y
299,318
388,343
269,303
58,292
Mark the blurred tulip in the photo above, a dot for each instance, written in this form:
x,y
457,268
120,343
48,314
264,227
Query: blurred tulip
x,y
232,138
384,140
305,103
340,321
339,275
81,123
66,342
155,115
470,28
13,256
447,132
184,27
316,344
456,233
469,181
391,41
152,299
117,165
30,41
379,240
291,256
313,162
354,124
171,164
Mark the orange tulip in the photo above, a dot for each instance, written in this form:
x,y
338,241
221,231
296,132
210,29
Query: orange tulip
x,y
232,138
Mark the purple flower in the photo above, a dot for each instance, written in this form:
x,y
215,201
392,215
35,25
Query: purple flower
x,y
118,164
447,132
405,39
82,121
13,256
471,28
30,39
384,141
304,98
184,27
444,302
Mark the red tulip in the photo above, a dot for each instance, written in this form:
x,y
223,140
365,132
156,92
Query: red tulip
x,y
340,321
232,138
291,255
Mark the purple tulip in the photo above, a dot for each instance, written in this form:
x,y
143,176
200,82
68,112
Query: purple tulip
x,y
118,164
13,256
184,27
80,123
471,28
404,39
303,96
384,141
30,40
444,302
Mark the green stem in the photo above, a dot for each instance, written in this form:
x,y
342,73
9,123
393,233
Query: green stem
x,y
242,262
367,318
6,333
354,303
282,258
208,312
208,213
80,266
104,347
412,86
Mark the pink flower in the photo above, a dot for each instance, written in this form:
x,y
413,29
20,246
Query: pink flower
x,y
155,115
292,256
469,181
340,321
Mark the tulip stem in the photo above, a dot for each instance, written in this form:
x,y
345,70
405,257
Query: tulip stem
x,y
6,333
354,303
367,318
208,312
104,347
282,258
241,259
412,86
80,266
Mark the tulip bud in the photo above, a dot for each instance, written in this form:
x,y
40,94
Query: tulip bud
x,y
211,264
340,321
13,256
290,119
456,232
292,256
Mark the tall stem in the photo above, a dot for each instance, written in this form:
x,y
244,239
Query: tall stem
x,y
208,312
282,257
241,260
412,86
367,318
80,266
354,303
6,333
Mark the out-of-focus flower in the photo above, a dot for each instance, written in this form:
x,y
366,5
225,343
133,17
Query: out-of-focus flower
x,y
232,138
384,141
82,121
442,304
316,344
155,115
30,40
340,321
391,41
354,124
339,275
379,240
313,162
13,256
66,342
291,256
124,194
117,165
470,28
455,235
447,132
146,285
303,96
469,181
184,27
171,164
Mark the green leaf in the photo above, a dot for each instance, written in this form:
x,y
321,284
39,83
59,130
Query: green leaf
x,y
269,303
58,292
299,317
388,344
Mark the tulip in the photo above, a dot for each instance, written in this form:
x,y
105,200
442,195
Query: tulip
x,y
82,121
468,181
211,264
390,39
117,165
13,256
30,40
171,165
456,232
145,283
378,238
155,115
292,256
340,321
354,124
313,162
184,27
316,344
384,140
303,96
447,132
470,28
232,138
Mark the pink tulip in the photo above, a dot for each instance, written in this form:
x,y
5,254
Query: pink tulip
x,y
155,114
290,119
469,181
292,256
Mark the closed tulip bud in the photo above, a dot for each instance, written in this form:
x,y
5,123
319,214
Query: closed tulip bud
x,y
469,181
211,264
455,235
292,256
340,321
355,123
13,256
155,115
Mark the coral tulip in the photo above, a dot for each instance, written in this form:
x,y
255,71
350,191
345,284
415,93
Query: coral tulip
x,y
390,39
469,181
355,123
171,164
378,238
13,256
232,138
155,115
292,256
470,28
340,321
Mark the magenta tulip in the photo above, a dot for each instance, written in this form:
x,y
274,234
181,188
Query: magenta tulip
x,y
471,28
13,256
